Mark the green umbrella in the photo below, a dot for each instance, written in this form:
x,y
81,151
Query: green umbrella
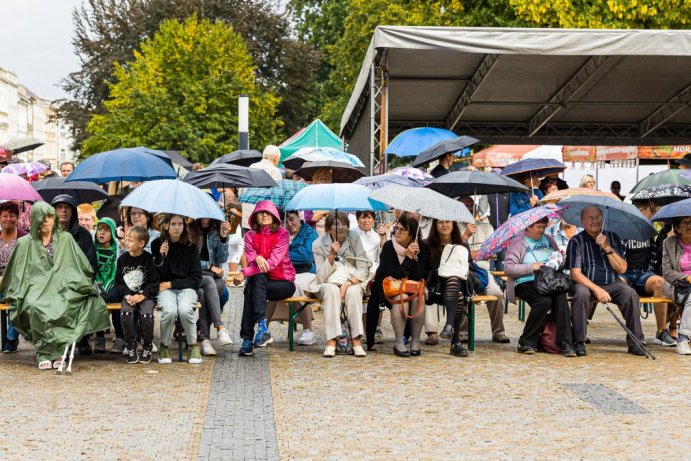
x,y
662,178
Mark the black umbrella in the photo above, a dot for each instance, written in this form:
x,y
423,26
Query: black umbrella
x,y
664,194
342,172
19,145
459,183
82,191
178,159
223,175
243,157
442,147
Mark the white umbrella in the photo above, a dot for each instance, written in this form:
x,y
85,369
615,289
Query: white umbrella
x,y
423,201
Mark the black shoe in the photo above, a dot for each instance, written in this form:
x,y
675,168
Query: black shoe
x,y
636,350
446,332
567,349
526,349
11,346
457,350
580,349
146,355
415,353
132,355
84,349
400,353
100,345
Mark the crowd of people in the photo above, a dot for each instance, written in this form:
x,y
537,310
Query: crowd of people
x,y
74,260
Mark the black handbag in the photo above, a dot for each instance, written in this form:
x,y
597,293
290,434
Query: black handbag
x,y
550,282
435,289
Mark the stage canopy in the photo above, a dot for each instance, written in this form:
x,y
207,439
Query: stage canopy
x,y
524,86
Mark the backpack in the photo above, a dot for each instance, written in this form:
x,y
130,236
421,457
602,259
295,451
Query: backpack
x,y
478,279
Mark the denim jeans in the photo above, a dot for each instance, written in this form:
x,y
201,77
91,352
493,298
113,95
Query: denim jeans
x,y
173,303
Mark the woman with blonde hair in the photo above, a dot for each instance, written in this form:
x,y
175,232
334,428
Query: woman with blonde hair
x,y
588,181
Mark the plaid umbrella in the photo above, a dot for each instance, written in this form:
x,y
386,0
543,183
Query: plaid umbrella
x,y
413,173
559,195
27,168
515,226
383,180
280,195
425,202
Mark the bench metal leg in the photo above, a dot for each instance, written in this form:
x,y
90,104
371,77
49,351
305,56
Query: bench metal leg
x,y
179,335
471,326
291,322
4,318
521,310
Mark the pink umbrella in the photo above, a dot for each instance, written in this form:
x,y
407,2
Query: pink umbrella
x,y
12,187
27,168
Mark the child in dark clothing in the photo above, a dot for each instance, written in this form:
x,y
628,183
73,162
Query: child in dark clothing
x,y
137,280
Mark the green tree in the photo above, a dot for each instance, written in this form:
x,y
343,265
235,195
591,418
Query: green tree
x,y
180,92
109,31
610,14
347,53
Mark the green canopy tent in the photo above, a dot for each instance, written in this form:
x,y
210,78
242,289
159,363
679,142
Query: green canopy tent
x,y
315,135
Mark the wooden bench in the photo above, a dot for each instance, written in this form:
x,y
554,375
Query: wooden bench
x,y
4,314
471,316
294,313
646,304
179,331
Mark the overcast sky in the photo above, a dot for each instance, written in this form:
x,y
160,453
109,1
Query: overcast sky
x,y
35,43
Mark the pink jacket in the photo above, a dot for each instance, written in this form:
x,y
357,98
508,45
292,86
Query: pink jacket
x,y
273,246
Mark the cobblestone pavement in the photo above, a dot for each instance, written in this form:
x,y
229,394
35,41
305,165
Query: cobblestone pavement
x,y
239,421
299,405
494,404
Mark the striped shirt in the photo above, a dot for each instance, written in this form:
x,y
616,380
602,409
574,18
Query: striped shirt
x,y
584,254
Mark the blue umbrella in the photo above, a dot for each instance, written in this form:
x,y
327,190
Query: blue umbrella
x,y
411,142
174,196
383,180
620,218
123,165
318,154
674,210
337,196
537,166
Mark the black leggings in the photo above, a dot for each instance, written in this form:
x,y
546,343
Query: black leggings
x,y
258,290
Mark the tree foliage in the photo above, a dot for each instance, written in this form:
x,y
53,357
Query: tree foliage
x,y
180,92
347,53
109,31
609,14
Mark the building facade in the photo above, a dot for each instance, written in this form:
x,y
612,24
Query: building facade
x,y
24,114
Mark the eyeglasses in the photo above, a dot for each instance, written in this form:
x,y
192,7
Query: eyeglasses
x,y
592,219
136,213
263,213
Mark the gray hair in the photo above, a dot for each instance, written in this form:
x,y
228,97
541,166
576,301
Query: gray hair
x,y
271,151
590,207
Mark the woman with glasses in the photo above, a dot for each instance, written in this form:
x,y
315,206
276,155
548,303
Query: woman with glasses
x,y
342,274
138,217
588,182
401,257
676,268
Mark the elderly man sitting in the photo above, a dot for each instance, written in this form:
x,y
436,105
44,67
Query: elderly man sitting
x,y
595,259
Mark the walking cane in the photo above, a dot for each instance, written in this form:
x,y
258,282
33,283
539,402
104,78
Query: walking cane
x,y
630,333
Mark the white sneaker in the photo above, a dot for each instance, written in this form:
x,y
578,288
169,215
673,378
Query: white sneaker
x,y
683,348
207,348
223,338
307,338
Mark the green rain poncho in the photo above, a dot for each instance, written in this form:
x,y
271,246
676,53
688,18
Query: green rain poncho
x,y
55,300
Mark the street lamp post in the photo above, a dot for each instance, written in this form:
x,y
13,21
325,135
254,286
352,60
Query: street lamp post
x,y
243,121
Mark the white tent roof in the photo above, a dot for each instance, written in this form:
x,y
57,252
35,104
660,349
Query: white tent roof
x,y
530,86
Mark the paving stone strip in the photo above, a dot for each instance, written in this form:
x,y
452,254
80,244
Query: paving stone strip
x,y
605,399
239,421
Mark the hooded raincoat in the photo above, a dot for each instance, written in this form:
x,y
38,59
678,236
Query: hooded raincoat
x,y
55,301
107,257
272,246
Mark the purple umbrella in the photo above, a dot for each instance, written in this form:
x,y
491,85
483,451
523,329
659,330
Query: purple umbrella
x,y
27,168
413,173
13,187
515,226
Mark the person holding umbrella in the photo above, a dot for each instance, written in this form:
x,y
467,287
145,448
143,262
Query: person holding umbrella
x,y
595,258
523,201
676,269
526,254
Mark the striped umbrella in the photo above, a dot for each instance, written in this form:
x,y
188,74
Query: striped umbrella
x,y
515,226
280,195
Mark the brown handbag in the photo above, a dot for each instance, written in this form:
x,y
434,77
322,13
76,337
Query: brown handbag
x,y
407,290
